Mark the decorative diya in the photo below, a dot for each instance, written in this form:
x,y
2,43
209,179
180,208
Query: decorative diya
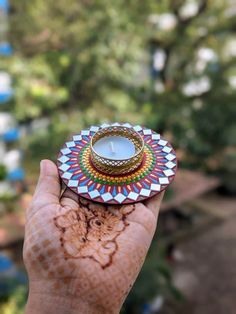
x,y
117,163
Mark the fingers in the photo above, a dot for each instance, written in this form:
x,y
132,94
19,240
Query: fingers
x,y
69,198
145,213
154,203
48,187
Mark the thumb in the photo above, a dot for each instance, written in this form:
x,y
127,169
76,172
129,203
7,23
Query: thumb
x,y
48,188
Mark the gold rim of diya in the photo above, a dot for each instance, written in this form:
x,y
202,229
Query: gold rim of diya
x,y
114,166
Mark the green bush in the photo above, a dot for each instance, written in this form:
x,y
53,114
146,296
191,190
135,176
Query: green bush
x,y
3,172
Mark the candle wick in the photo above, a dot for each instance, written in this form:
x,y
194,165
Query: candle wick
x,y
112,147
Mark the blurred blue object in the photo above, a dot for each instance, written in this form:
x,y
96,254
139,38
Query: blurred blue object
x,y
6,49
4,5
5,97
16,175
5,264
146,309
11,135
10,276
154,73
22,277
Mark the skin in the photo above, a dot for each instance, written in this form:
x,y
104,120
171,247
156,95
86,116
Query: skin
x,y
82,257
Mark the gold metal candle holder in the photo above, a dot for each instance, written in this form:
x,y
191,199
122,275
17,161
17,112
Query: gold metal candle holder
x,y
121,166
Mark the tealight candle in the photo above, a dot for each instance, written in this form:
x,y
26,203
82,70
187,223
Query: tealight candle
x,y
116,150
114,147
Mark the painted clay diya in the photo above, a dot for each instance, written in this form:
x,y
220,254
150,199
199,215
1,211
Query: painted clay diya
x,y
117,163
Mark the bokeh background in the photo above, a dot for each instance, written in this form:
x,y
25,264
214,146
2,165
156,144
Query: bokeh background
x,y
169,65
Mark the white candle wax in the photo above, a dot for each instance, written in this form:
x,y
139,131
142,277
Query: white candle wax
x,y
114,147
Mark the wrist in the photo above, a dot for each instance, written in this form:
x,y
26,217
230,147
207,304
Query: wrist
x,y
45,304
44,301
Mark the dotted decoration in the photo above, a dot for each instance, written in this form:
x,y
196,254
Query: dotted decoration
x,y
155,173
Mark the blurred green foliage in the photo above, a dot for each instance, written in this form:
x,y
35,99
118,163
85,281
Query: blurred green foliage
x,y
85,63
16,303
3,172
82,63
154,280
76,58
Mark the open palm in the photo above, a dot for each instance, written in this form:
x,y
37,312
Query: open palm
x,y
85,253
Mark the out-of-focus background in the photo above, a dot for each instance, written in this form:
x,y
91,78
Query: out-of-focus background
x,y
169,65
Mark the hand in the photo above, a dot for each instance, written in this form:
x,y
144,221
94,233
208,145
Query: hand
x,y
82,257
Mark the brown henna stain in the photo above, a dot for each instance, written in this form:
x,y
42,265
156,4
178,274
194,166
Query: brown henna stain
x,y
51,252
41,257
51,274
60,270
35,248
91,231
46,243
66,280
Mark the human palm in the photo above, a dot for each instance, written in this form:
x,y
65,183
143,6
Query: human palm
x,y
81,252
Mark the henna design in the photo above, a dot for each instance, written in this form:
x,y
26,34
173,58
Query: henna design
x,y
91,230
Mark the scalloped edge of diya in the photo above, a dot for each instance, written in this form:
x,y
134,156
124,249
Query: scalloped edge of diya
x,y
148,172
